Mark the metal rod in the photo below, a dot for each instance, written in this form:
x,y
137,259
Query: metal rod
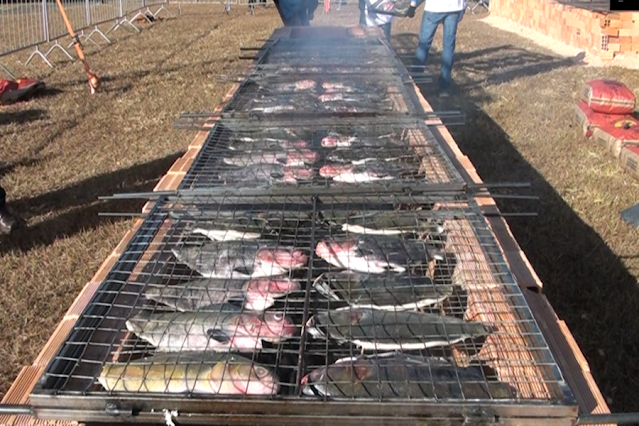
x,y
612,418
504,196
16,410
528,214
307,304
122,214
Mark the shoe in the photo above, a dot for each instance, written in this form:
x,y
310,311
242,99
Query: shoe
x,y
7,222
443,94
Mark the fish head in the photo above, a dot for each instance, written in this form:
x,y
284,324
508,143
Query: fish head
x,y
245,377
276,326
292,174
261,292
333,248
332,170
282,258
305,84
343,378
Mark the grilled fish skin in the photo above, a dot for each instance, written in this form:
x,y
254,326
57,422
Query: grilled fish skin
x,y
197,372
197,295
240,259
366,154
298,157
376,254
383,330
397,375
266,173
399,292
368,171
336,140
384,222
246,144
222,328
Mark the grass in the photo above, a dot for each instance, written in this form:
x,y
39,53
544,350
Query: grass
x,y
63,150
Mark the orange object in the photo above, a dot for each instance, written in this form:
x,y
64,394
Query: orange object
x,y
608,96
590,120
94,81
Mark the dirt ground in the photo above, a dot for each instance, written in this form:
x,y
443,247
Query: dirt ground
x,y
60,152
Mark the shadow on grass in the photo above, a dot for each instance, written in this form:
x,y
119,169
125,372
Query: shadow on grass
x,y
586,282
22,117
75,208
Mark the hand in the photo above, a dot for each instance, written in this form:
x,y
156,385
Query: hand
x,y
410,12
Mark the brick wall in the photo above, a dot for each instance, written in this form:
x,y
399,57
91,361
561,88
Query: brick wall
x,y
603,34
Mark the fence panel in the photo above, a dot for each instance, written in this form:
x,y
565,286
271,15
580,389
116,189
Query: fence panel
x,y
76,11
23,25
102,11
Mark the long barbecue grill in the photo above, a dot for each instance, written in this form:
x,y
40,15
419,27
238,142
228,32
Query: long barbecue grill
x,y
275,194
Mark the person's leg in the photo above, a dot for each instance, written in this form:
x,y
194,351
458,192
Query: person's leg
x,y
7,221
362,12
448,52
427,30
387,31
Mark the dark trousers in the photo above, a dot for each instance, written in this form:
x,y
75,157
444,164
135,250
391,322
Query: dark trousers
x,y
362,12
387,30
3,198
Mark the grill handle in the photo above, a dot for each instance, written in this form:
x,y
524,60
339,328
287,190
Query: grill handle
x,y
16,410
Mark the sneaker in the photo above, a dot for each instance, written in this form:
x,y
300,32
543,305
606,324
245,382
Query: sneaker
x,y
7,222
444,94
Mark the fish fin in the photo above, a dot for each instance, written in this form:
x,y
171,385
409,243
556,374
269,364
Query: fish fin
x,y
218,335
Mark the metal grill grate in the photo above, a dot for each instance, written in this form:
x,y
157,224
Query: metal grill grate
x,y
314,299
336,154
466,281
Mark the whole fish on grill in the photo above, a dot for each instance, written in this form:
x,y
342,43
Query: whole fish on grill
x,y
246,144
377,254
381,330
257,294
246,225
296,86
298,157
397,375
337,140
353,97
338,87
384,222
266,173
395,292
366,154
197,372
368,171
240,259
206,216
220,328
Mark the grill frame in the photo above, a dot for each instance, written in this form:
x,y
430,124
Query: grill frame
x,y
51,404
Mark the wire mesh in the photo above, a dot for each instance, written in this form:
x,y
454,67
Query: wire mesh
x,y
310,298
23,25
363,154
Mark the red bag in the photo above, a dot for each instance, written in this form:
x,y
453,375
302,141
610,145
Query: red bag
x,y
618,134
589,120
13,91
609,97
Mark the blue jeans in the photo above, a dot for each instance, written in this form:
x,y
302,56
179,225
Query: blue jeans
x,y
430,22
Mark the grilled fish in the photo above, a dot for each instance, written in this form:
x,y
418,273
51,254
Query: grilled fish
x,y
382,292
381,330
266,173
240,259
221,328
376,254
384,223
246,225
396,375
365,154
296,86
368,171
350,97
246,144
197,372
256,294
298,157
336,140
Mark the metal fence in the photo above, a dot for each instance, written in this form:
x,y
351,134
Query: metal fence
x,y
39,24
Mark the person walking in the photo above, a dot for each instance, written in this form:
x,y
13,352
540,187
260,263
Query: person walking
x,y
7,221
446,12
